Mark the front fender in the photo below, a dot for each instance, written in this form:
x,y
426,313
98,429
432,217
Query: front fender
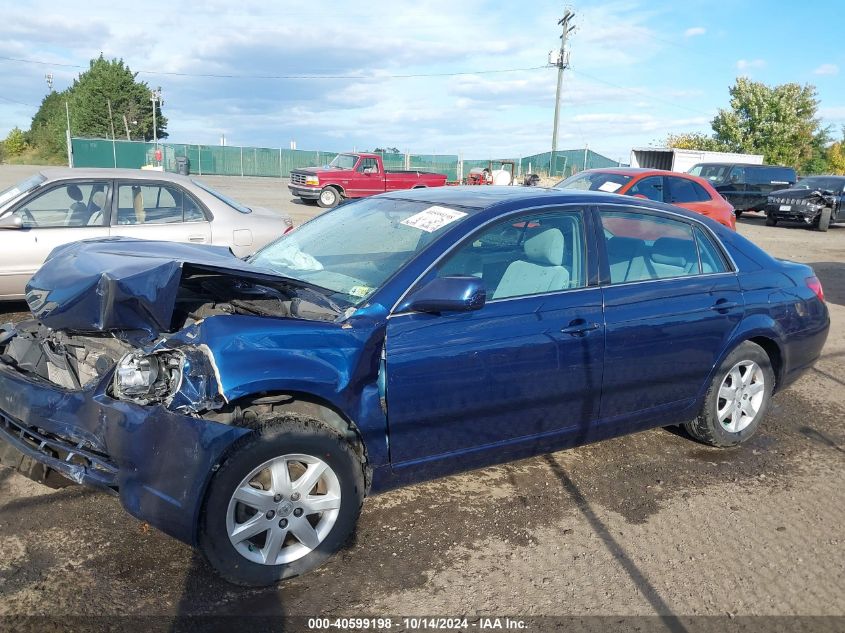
x,y
331,361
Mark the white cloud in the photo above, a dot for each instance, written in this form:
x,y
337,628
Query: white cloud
x,y
746,64
695,30
827,69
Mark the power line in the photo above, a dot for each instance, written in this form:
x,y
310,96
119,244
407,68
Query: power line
x,y
17,102
641,93
315,76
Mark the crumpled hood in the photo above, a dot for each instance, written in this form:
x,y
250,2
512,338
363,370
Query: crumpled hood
x,y
123,283
797,192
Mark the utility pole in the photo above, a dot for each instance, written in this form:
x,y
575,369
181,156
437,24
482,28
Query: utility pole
x,y
561,60
155,97
49,78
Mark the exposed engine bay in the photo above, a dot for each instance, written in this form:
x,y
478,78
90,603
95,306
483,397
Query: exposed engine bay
x,y
73,359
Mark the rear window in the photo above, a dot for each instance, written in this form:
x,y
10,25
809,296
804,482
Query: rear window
x,y
595,181
769,175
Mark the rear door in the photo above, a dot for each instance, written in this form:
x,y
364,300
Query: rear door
x,y
671,302
159,211
59,214
688,194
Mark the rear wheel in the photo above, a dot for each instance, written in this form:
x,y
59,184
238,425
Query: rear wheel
x,y
738,398
282,503
824,219
329,198
771,220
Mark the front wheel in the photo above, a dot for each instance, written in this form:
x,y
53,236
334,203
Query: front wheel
x,y
282,503
329,198
824,219
771,220
738,214
737,400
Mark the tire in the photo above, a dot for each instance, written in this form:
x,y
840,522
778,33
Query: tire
x,y
737,214
771,220
736,429
329,198
824,219
294,444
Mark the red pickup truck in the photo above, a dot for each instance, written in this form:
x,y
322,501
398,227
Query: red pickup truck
x,y
355,176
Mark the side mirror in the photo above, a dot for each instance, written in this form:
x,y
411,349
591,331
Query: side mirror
x,y
449,294
11,221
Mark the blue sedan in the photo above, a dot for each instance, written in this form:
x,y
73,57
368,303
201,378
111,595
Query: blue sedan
x,y
248,407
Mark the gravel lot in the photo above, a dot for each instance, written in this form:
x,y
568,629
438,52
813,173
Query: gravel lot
x,y
650,524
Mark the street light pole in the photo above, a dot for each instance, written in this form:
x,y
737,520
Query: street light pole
x,y
155,97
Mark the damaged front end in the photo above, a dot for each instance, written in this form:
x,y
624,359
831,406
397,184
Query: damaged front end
x,y
799,205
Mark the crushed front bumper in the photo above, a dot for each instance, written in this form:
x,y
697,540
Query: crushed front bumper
x,y
795,212
158,462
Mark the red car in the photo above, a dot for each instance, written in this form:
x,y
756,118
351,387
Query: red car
x,y
681,190
355,176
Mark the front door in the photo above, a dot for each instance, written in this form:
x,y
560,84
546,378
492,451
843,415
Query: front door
x,y
671,302
367,180
528,363
63,213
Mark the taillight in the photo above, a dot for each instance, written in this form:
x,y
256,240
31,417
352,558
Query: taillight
x,y
815,285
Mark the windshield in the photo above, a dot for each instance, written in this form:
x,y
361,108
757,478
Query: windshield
x,y
352,251
344,161
237,206
712,173
595,181
22,187
821,183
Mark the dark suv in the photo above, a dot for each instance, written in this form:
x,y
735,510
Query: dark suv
x,y
746,187
816,201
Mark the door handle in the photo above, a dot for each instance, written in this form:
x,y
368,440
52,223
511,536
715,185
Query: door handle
x,y
724,304
196,238
579,327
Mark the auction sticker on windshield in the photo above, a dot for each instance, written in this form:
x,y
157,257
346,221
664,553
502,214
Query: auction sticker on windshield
x,y
609,186
433,218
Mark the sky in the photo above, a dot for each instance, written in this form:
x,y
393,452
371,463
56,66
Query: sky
x,y
639,70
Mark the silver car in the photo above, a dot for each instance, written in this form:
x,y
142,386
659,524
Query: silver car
x,y
57,206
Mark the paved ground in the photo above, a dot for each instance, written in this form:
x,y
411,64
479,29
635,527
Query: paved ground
x,y
647,524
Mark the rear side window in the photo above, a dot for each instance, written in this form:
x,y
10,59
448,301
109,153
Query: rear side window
x,y
683,190
651,188
155,204
711,257
645,247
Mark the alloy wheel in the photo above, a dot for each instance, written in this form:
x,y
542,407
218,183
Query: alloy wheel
x,y
741,396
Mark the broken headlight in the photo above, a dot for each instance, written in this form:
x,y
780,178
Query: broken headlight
x,y
146,378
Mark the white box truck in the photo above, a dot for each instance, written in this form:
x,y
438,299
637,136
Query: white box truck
x,y
673,159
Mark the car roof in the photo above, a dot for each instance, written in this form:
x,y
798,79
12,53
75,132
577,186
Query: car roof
x,y
64,173
480,197
630,171
729,164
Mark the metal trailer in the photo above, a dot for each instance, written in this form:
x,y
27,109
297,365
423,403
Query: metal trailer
x,y
681,160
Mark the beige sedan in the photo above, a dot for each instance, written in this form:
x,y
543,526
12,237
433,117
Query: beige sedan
x,y
57,206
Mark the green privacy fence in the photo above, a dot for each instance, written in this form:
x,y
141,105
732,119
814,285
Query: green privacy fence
x,y
263,161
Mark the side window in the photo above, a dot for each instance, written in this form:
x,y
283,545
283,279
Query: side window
x,y
651,188
712,260
66,206
683,190
155,204
526,255
368,163
737,175
644,247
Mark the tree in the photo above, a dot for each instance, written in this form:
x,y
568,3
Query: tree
x,y
835,156
695,140
386,150
88,101
15,142
112,80
779,122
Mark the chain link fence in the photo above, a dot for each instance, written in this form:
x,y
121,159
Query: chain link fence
x,y
221,160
